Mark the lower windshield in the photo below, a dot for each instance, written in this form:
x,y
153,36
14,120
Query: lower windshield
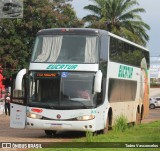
x,y
62,90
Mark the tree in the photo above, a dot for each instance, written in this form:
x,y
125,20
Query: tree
x,y
17,35
119,17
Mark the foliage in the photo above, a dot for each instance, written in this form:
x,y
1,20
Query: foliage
x,y
18,34
154,85
140,133
119,17
120,123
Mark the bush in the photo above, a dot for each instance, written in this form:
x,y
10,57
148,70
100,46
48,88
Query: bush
x,y
120,123
89,136
154,85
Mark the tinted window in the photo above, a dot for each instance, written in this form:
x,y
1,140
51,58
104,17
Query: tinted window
x,y
104,55
104,48
121,90
126,53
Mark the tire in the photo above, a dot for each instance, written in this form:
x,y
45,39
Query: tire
x,y
49,132
152,106
105,130
138,118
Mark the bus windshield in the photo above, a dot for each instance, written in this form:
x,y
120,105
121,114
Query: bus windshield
x,y
62,90
66,49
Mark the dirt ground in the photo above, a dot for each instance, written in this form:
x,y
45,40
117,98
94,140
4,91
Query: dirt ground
x,y
154,115
8,134
11,135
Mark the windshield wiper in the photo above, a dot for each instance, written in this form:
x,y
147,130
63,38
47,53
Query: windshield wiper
x,y
41,105
82,104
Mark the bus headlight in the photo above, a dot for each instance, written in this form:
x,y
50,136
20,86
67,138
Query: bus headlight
x,y
33,115
85,117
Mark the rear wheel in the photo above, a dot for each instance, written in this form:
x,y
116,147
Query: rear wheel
x,y
49,132
138,118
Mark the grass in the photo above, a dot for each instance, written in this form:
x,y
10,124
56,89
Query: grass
x,y
148,133
120,123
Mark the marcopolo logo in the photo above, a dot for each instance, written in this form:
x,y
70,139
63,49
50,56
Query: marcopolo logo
x,y
125,72
62,66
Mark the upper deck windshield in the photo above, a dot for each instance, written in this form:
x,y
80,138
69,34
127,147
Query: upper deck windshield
x,y
66,49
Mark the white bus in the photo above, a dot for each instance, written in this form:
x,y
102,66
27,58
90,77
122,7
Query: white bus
x,y
81,79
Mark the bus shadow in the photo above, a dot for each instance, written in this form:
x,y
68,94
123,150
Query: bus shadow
x,y
68,134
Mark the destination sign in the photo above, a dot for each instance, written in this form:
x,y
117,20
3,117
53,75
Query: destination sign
x,y
46,74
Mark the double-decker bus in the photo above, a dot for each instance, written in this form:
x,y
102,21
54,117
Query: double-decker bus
x,y
81,79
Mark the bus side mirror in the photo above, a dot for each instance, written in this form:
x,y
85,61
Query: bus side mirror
x,y
143,64
19,77
98,81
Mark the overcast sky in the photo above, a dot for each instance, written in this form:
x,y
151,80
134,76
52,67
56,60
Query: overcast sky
x,y
151,17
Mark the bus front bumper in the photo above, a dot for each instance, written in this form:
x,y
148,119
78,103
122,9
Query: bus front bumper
x,y
88,125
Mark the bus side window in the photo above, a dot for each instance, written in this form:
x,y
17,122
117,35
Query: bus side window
x,y
104,55
18,94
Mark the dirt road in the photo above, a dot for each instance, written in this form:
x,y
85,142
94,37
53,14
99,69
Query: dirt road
x,y
27,135
154,115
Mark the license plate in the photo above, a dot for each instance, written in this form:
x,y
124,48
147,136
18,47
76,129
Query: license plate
x,y
56,125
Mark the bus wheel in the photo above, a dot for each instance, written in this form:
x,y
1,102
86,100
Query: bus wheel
x,y
138,118
49,132
105,130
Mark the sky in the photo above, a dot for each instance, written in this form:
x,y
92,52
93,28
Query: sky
x,y
151,17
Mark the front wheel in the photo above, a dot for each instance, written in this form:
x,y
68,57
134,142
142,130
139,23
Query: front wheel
x,y
105,130
49,132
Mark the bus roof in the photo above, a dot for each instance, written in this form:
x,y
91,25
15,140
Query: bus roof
x,y
84,31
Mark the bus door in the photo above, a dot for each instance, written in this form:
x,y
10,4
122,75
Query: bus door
x,y
18,106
